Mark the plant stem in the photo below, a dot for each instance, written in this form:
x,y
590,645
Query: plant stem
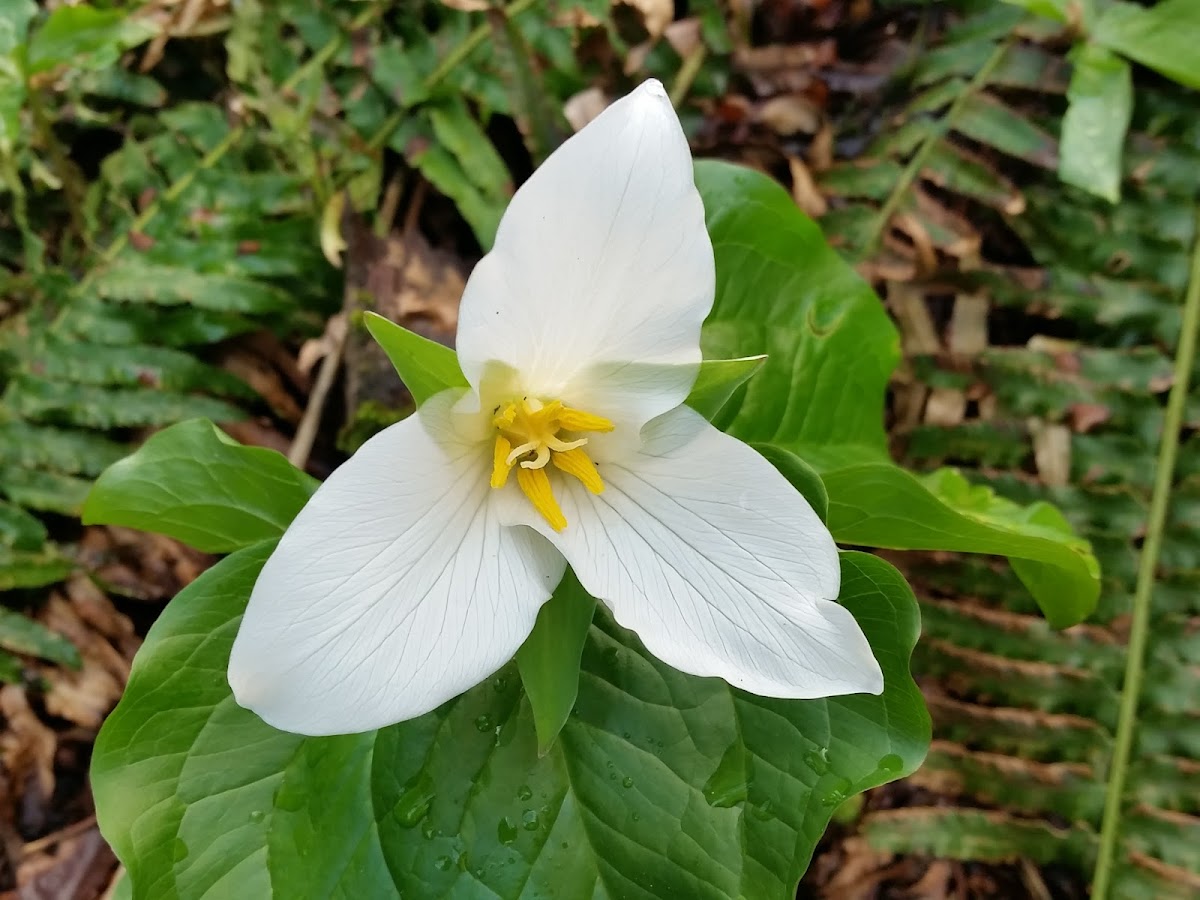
x,y
1139,634
936,133
687,74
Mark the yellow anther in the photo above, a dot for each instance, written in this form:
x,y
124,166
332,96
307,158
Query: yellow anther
x,y
500,464
535,484
578,420
531,433
579,464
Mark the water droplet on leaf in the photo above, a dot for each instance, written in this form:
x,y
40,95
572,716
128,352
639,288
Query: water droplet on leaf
x,y
523,792
484,723
627,782
414,803
530,821
506,831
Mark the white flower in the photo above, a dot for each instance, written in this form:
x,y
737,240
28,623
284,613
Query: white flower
x,y
419,567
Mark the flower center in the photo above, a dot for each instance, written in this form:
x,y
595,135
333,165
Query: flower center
x,y
530,434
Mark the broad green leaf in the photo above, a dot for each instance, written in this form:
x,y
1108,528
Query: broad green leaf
x,y
716,381
426,367
1163,37
19,530
19,634
781,290
196,484
881,505
660,783
549,659
802,476
85,37
1093,128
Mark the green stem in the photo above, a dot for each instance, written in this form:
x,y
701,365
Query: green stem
x,y
687,74
1135,659
936,133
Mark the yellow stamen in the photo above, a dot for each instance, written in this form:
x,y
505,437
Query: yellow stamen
x,y
579,464
531,433
535,484
500,464
578,420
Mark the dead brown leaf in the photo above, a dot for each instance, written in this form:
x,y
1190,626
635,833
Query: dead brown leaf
x,y
789,114
584,106
967,334
85,697
1051,452
80,866
1086,416
314,350
656,15
946,407
805,191
27,748
265,379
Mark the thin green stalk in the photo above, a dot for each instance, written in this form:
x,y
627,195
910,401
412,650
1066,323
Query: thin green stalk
x,y
939,130
1139,634
687,74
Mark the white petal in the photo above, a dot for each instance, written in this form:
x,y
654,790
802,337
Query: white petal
x,y
718,564
601,259
394,590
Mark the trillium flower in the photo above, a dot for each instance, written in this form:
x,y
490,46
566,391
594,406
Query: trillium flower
x,y
418,568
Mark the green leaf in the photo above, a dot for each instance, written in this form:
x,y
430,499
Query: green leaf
x,y
820,395
47,491
196,484
783,291
716,381
661,783
426,367
62,402
19,530
549,659
884,506
19,634
1163,37
1059,10
10,669
987,120
802,476
1093,128
85,37
136,280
